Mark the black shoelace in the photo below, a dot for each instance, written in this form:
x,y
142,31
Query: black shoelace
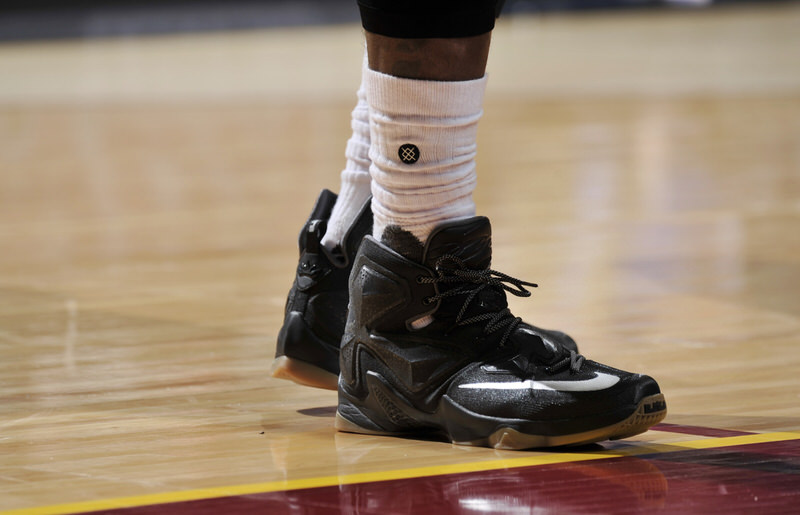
x,y
452,270
574,361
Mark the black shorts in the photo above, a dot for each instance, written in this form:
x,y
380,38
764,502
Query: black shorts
x,y
429,18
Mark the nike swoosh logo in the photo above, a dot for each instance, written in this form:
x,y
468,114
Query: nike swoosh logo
x,y
600,381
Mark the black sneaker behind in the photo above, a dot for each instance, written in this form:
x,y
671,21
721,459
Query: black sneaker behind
x,y
476,373
316,308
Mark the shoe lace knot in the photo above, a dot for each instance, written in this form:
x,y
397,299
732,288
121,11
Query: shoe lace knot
x,y
451,270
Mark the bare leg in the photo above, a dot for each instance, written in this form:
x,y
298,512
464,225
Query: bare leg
x,y
440,59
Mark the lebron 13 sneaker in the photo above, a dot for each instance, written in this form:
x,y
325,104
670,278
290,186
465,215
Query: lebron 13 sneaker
x,y
431,346
316,309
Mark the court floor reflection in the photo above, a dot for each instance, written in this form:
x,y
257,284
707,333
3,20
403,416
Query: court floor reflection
x,y
747,478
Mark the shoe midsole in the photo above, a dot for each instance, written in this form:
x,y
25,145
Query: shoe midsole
x,y
384,410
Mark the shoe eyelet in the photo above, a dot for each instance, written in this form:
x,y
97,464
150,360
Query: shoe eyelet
x,y
427,301
420,279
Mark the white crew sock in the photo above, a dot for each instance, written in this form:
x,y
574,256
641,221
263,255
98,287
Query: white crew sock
x,y
355,180
436,123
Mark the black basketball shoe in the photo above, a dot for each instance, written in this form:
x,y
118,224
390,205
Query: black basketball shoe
x,y
475,373
316,309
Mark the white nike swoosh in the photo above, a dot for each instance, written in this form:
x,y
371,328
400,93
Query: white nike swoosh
x,y
600,381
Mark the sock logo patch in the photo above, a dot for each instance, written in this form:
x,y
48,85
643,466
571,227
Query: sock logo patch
x,y
409,153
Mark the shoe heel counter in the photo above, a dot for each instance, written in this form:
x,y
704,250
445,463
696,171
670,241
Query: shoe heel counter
x,y
296,340
379,409
384,292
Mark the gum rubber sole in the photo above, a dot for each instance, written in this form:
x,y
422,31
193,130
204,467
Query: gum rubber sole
x,y
303,373
650,411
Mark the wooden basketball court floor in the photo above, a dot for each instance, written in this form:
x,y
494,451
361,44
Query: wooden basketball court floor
x,y
643,168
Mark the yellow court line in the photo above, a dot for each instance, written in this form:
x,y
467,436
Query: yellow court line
x,y
478,466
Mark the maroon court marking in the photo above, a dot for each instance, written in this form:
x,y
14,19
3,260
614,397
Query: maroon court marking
x,y
754,478
698,430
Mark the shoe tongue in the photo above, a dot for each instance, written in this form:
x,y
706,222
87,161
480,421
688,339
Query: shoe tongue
x,y
469,240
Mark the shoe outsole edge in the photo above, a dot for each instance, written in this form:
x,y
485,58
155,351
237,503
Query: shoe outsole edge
x,y
303,373
638,422
650,411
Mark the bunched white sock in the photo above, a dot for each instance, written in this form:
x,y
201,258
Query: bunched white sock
x,y
423,150
355,179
